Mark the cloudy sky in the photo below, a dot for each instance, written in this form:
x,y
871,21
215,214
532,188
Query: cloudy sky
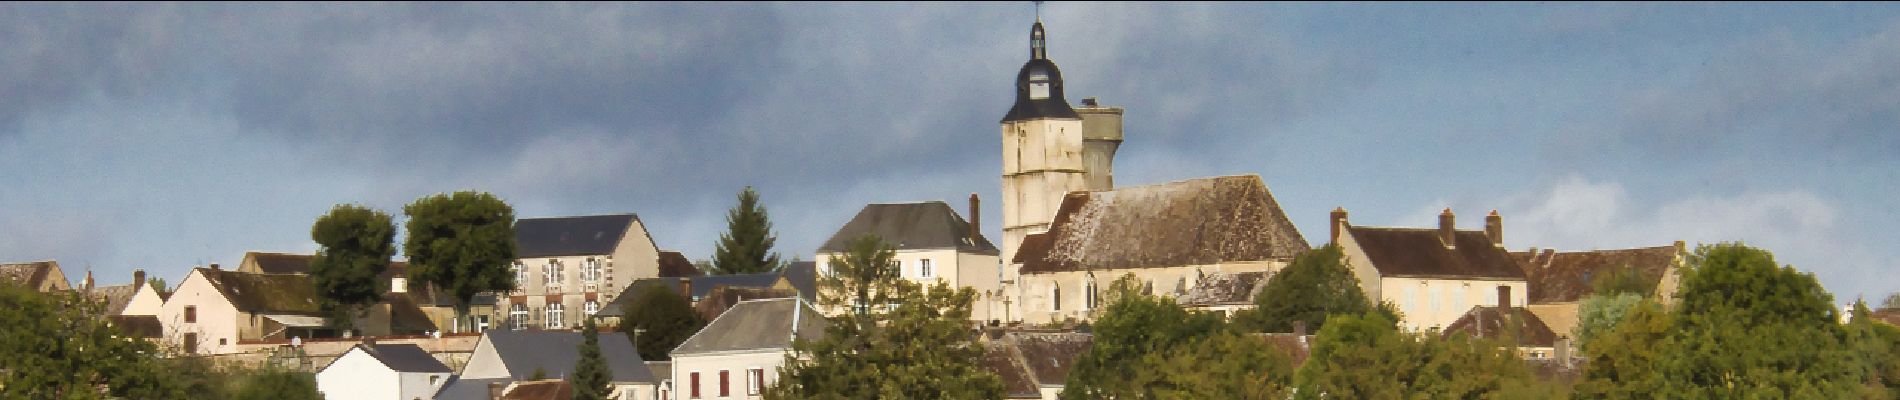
x,y
162,136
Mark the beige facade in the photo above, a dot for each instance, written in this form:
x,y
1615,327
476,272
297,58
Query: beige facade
x,y
558,291
1433,276
199,319
1042,161
979,272
1429,303
731,375
145,301
1054,297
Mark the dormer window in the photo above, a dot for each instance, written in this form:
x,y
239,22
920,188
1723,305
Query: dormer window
x,y
1038,84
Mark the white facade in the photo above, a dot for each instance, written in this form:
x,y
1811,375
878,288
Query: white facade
x,y
357,375
980,272
1052,297
1434,303
747,374
1042,162
198,318
145,301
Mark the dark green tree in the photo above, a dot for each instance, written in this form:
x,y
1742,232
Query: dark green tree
x,y
278,384
1747,327
1223,365
592,379
158,284
659,319
1624,279
746,247
1367,357
913,343
1877,345
355,244
60,346
1316,285
1149,347
462,243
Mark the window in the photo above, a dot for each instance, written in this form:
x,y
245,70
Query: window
x,y
1055,297
693,387
518,316
1038,84
521,275
725,383
191,314
898,265
754,380
432,379
552,273
554,312
591,307
590,271
923,268
1088,292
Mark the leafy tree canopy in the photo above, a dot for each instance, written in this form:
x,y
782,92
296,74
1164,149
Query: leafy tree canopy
x,y
1149,347
60,346
746,247
462,243
355,246
1316,285
1600,313
1367,357
662,319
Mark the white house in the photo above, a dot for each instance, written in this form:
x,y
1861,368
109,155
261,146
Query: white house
x,y
738,355
213,309
146,299
933,245
383,371
508,356
1434,276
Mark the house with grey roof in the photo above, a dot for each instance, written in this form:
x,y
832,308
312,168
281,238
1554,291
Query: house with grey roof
x,y
1169,236
933,245
568,268
738,355
507,356
372,371
1434,276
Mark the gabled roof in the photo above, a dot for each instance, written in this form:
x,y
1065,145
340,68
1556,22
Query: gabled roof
x,y
1050,356
138,326
458,388
1491,323
803,275
756,325
265,293
673,264
570,236
1563,277
278,263
1225,289
115,296
1419,252
404,358
546,389
907,226
556,352
701,287
30,274
1001,360
1190,222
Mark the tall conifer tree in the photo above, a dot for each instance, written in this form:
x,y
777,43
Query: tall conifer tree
x,y
746,247
592,377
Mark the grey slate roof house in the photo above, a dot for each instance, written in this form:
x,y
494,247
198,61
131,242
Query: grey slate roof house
x,y
933,245
569,268
739,353
507,356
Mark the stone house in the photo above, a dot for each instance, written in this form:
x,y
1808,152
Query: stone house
x,y
1170,236
568,268
738,355
1560,280
933,245
1033,364
41,276
1433,276
372,371
503,357
213,309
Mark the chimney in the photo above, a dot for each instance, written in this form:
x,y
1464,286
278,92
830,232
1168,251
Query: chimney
x,y
214,267
1445,232
1504,297
494,390
1299,328
1089,101
976,218
1494,227
87,286
1562,352
1339,223
138,278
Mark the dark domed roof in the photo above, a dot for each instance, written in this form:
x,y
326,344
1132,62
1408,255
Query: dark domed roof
x,y
1039,69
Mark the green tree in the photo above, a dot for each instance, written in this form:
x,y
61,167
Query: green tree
x,y
1891,302
1624,279
1367,357
659,319
355,244
60,346
1133,325
592,379
1750,328
278,384
462,243
158,284
1316,285
1598,314
746,247
913,343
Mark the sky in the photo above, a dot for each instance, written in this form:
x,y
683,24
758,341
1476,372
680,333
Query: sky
x,y
163,136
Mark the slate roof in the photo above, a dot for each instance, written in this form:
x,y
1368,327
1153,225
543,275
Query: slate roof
x,y
1050,356
907,226
1490,323
1418,252
662,370
702,286
1556,277
29,274
404,358
1225,289
467,389
674,264
570,236
803,275
1190,222
557,351
754,325
998,358
265,293
138,326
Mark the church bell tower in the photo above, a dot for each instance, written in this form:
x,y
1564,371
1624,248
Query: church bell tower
x,y
1042,149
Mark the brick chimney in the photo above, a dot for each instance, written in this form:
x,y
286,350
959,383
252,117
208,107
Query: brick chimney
x,y
1445,232
138,278
214,267
976,219
1494,227
1339,223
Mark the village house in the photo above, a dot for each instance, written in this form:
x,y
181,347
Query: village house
x,y
738,355
503,357
213,309
1514,327
371,371
712,295
1433,276
1170,236
1033,364
40,276
1560,280
933,245
146,299
567,268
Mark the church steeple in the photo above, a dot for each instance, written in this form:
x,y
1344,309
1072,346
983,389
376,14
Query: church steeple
x,y
1037,49
1039,84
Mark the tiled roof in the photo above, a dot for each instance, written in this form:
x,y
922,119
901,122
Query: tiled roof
x,y
1420,252
546,389
905,226
1050,356
673,264
1001,360
265,293
754,325
1490,323
1224,289
29,274
1564,277
115,296
570,236
1191,222
138,326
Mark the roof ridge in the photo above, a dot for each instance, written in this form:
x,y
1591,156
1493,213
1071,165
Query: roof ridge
x,y
582,216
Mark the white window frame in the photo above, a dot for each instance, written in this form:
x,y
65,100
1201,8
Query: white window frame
x,y
521,275
754,381
923,269
590,271
555,312
551,273
518,316
590,307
